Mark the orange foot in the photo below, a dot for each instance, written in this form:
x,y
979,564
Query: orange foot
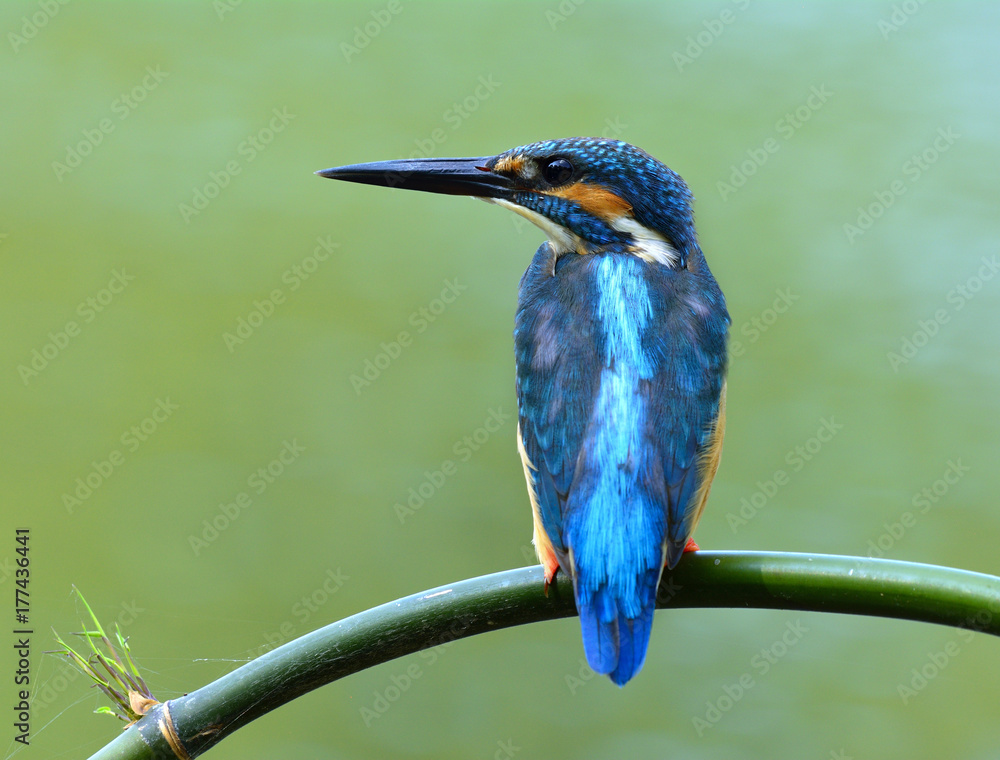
x,y
551,567
690,546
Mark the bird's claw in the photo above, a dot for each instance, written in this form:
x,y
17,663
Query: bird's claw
x,y
550,574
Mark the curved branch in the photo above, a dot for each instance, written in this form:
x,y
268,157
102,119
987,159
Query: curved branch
x,y
823,583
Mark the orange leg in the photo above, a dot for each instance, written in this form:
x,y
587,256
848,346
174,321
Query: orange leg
x,y
690,546
551,566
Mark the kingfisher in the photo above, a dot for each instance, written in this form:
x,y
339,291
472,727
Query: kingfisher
x,y
620,346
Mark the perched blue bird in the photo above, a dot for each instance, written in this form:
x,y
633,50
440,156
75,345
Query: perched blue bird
x,y
620,342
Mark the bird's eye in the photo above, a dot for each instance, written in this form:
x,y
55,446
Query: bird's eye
x,y
558,171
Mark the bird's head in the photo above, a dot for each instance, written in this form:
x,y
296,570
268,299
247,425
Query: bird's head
x,y
588,194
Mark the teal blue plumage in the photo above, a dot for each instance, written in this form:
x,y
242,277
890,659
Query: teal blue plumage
x,y
614,413
620,347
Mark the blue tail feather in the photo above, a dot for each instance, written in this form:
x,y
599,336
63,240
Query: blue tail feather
x,y
633,643
600,633
616,645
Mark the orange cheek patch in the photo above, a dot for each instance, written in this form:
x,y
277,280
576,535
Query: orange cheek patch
x,y
595,200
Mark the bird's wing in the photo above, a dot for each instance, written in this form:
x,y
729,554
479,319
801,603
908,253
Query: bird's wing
x,y
553,348
558,347
555,406
688,428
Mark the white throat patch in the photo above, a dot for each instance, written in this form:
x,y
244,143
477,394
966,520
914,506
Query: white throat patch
x,y
649,245
562,240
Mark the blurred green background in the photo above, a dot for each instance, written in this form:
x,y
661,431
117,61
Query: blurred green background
x,y
225,303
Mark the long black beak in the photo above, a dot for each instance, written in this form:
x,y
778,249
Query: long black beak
x,y
451,176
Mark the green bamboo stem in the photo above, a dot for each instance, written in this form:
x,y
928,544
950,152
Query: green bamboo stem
x,y
771,580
